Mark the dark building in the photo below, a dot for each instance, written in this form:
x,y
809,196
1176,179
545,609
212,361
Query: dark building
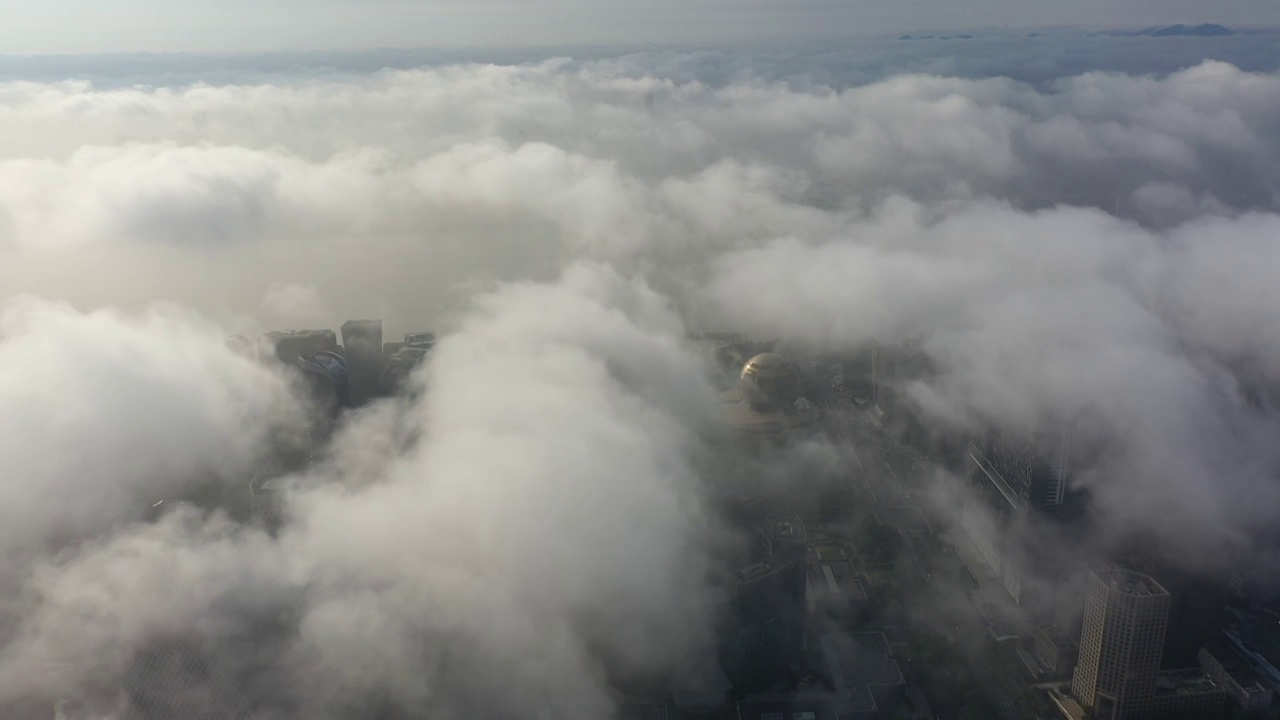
x,y
860,677
423,339
327,380
700,689
287,346
1186,695
1029,470
835,591
362,345
767,640
1018,482
1055,651
788,540
400,359
1249,696
1197,604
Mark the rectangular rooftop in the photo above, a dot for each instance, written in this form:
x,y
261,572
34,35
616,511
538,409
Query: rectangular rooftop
x,y
1184,682
1131,583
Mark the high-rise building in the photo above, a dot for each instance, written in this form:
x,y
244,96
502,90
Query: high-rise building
x,y
1017,479
362,345
1029,470
1124,624
1118,675
769,605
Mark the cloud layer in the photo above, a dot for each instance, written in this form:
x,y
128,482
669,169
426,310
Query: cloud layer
x,y
1099,249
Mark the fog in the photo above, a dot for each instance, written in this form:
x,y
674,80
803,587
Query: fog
x,y
1097,249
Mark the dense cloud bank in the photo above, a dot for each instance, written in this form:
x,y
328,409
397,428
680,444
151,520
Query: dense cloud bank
x,y
540,527
500,169
1098,250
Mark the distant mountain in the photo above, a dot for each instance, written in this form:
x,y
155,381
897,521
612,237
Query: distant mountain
x,y
1179,30
1205,30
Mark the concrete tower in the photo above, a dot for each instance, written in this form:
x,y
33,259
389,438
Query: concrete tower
x,y
1124,624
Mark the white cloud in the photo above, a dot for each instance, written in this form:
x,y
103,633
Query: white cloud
x,y
1099,249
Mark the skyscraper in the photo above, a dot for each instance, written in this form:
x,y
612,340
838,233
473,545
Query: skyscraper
x,y
1124,624
362,345
1030,469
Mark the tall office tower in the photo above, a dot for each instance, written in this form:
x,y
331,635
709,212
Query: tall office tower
x,y
1125,617
362,345
1031,469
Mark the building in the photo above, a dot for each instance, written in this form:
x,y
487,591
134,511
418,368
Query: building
x,y
861,677
1018,480
287,346
1186,695
1124,624
1118,674
768,639
700,689
1233,672
1197,602
834,590
1054,651
788,540
765,406
362,346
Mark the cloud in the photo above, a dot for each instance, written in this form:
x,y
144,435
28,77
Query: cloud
x,y
506,172
105,412
541,529
1096,250
1066,315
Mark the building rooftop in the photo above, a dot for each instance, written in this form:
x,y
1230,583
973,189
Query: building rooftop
x,y
1057,636
760,567
1131,583
788,528
858,661
1233,662
835,579
1184,682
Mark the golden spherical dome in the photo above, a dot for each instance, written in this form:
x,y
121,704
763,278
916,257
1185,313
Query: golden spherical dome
x,y
770,382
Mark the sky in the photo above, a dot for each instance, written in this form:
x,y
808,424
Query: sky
x,y
83,26
1073,229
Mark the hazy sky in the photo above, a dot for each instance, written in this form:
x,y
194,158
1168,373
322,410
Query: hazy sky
x,y
85,26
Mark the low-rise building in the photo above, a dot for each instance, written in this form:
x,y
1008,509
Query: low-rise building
x,y
1055,651
834,590
1232,671
1187,695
